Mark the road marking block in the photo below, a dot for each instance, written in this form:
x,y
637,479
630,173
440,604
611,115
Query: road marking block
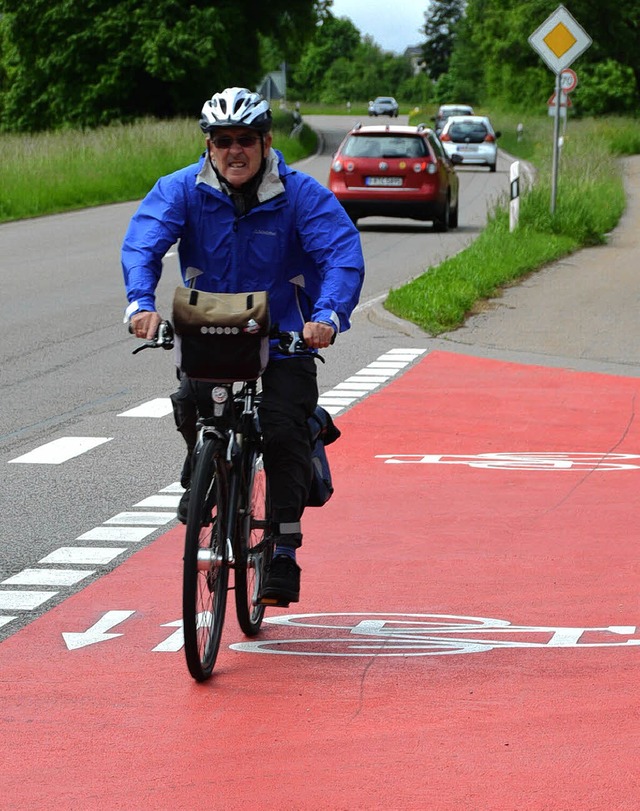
x,y
60,450
118,534
82,554
24,600
135,519
47,577
160,407
170,502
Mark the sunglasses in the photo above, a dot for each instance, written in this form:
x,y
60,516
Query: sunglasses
x,y
225,141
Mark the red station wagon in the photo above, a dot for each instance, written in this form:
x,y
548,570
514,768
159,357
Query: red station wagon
x,y
396,171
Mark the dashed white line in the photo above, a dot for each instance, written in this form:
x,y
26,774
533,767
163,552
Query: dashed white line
x,y
137,519
367,380
358,386
160,407
60,450
47,577
117,534
176,487
24,600
135,526
169,502
82,554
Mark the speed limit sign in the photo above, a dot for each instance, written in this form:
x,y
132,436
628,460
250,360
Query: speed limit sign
x,y
568,80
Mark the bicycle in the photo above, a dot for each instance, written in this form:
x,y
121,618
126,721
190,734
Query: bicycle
x,y
227,519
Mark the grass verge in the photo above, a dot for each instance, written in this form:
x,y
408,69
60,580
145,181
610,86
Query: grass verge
x,y
590,200
47,173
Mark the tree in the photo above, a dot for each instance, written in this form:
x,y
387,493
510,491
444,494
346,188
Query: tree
x,y
441,21
333,39
88,62
510,71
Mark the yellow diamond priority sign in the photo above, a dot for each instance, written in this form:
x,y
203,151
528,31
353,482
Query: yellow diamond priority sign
x,y
560,40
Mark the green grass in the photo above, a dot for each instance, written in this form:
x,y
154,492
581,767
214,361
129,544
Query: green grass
x,y
589,202
48,173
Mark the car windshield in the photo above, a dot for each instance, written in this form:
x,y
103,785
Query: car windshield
x,y
385,146
450,111
473,131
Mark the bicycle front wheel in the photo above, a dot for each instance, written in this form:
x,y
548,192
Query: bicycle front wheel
x,y
255,552
206,569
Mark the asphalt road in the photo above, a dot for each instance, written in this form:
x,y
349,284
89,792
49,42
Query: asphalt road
x,y
66,367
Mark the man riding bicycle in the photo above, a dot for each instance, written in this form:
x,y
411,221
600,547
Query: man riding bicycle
x,y
246,221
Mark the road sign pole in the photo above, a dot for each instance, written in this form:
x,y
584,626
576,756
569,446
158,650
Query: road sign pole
x,y
559,41
556,138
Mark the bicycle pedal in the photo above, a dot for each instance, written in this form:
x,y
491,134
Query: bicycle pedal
x,y
273,602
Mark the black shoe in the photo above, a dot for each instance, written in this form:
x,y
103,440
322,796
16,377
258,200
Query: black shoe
x,y
183,506
282,584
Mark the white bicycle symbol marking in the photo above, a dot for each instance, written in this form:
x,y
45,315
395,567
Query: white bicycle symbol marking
x,y
529,460
426,635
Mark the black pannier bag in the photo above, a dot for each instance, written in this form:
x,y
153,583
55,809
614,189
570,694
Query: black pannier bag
x,y
323,432
221,337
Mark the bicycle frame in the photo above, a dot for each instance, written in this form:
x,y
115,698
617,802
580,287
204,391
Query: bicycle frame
x,y
227,526
232,423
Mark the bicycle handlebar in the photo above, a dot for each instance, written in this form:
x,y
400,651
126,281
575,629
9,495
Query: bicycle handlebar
x,y
289,343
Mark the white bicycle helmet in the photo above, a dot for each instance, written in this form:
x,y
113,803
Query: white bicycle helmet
x,y
236,107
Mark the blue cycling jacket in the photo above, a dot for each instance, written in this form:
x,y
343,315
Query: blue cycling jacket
x,y
297,243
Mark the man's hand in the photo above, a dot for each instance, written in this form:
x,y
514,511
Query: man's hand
x,y
144,324
317,335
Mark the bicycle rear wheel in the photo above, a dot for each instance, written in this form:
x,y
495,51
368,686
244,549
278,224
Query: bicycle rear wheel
x,y
206,570
255,552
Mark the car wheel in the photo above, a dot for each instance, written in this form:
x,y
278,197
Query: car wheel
x,y
492,167
453,217
442,221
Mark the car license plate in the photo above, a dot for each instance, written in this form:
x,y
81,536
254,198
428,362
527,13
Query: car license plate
x,y
468,148
383,181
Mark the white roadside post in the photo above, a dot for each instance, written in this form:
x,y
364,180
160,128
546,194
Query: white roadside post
x,y
559,40
514,205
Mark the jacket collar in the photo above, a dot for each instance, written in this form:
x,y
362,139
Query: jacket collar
x,y
270,187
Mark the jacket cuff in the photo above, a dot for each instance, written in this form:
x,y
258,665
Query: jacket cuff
x,y
327,317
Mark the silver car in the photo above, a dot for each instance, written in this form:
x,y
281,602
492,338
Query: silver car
x,y
384,105
446,111
472,138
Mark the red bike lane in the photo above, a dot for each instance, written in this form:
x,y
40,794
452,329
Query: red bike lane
x,y
466,637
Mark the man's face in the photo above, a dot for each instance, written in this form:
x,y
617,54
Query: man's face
x,y
237,162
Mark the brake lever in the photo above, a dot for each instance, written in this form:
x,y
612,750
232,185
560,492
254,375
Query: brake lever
x,y
163,338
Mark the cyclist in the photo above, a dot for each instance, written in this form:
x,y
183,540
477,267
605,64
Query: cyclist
x,y
246,221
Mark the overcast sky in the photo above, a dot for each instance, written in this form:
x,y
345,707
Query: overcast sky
x,y
393,25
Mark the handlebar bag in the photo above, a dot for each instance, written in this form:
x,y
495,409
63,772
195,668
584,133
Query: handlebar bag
x,y
221,337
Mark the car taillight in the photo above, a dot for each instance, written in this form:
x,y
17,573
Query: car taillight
x,y
489,137
425,166
445,137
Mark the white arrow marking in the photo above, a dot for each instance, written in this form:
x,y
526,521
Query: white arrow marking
x,y
173,643
97,632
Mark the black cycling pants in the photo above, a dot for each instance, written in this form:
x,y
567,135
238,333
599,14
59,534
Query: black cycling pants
x,y
289,397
